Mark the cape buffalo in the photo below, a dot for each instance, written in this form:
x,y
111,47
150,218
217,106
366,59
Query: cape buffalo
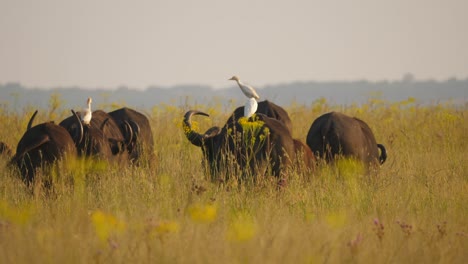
x,y
267,108
305,159
100,138
334,134
136,129
40,146
254,146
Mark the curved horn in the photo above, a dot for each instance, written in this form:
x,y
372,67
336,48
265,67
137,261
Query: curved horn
x,y
383,153
31,120
194,137
135,127
80,126
128,131
104,123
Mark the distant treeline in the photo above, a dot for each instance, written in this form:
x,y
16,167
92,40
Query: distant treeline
x,y
15,97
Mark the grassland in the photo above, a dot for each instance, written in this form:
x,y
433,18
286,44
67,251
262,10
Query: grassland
x,y
414,211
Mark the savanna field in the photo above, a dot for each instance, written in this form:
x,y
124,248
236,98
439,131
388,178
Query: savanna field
x,y
414,210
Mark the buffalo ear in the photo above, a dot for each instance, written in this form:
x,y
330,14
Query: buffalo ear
x,y
211,132
117,146
259,116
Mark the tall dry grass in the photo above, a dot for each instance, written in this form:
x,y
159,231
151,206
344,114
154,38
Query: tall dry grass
x,y
413,211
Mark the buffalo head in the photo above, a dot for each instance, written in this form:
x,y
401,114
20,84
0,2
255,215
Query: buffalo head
x,y
243,147
136,129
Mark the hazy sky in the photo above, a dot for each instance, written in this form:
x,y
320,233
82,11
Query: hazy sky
x,y
108,43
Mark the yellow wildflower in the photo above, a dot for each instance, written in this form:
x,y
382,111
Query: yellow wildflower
x,y
164,227
241,229
106,225
16,215
203,213
336,220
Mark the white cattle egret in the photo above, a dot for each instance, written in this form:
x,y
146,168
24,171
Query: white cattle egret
x,y
248,90
250,107
86,114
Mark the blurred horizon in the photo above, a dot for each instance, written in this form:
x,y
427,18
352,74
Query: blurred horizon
x,y
16,97
406,77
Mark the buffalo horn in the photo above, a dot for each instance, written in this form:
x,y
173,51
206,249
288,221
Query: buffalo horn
x,y
104,124
128,132
80,126
135,128
31,120
194,137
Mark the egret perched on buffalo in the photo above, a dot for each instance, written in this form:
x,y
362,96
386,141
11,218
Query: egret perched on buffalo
x,y
86,114
251,105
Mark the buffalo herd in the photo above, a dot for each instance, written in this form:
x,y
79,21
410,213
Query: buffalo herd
x,y
244,147
273,148
258,144
123,136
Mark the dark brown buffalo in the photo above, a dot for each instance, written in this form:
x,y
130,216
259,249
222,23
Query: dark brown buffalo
x,y
255,146
266,108
136,129
101,138
41,146
336,134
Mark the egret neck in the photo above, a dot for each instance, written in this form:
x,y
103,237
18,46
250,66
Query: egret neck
x,y
87,113
248,90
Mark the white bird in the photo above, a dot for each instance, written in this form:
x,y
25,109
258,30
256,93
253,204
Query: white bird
x,y
86,114
250,107
248,90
